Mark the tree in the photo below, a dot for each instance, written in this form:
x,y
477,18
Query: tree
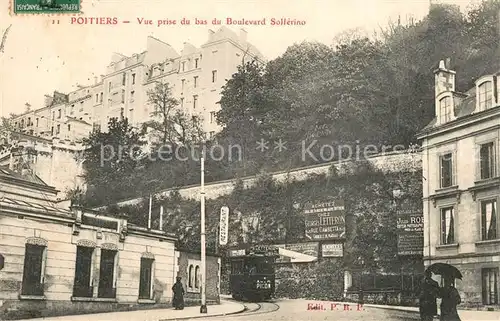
x,y
111,158
172,123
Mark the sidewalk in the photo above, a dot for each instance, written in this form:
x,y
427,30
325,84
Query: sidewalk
x,y
225,308
465,315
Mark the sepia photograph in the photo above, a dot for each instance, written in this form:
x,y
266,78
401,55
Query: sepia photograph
x,y
249,160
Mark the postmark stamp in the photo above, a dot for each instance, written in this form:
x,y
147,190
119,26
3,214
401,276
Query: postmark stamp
x,y
33,7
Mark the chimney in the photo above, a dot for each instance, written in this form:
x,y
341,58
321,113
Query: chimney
x,y
28,106
15,159
444,78
48,100
243,35
444,84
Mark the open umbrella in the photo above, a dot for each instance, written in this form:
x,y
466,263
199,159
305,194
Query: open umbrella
x,y
444,269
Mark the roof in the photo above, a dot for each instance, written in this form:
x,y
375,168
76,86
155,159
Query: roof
x,y
31,178
465,108
30,206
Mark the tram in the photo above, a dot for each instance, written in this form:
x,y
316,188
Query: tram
x,y
252,273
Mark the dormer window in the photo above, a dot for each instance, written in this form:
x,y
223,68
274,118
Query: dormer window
x,y
445,108
485,95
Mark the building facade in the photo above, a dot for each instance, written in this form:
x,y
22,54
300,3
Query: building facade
x,y
56,161
196,76
461,185
57,261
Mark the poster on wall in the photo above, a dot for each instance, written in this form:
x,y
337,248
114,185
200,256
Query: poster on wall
x,y
410,230
332,250
298,252
325,220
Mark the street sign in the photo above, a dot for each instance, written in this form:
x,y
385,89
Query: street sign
x,y
325,220
224,225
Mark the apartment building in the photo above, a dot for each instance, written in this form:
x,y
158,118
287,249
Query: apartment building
x,y
196,76
461,185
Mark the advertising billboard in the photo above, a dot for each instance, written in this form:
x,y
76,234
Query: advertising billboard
x,y
410,230
325,220
332,250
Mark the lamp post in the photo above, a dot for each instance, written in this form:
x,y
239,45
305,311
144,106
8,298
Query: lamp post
x,y
203,308
361,294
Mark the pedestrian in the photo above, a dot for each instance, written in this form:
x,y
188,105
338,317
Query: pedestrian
x,y
429,292
450,299
178,289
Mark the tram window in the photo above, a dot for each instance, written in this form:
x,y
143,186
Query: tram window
x,y
237,267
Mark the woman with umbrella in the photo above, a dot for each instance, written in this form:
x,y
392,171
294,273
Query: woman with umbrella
x,y
450,297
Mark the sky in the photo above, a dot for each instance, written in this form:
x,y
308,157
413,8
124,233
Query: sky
x,y
40,57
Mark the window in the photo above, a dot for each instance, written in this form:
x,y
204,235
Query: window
x,y
59,113
69,127
107,287
195,101
490,286
485,95
214,75
36,122
196,60
182,102
487,160
195,79
101,98
190,276
22,123
133,79
96,98
182,84
123,96
124,79
489,220
83,272
58,130
183,65
72,109
212,117
52,131
34,270
197,277
445,108
53,115
447,226
81,106
109,86
146,276
29,121
446,166
132,96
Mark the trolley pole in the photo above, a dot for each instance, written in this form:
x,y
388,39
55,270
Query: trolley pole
x,y
203,308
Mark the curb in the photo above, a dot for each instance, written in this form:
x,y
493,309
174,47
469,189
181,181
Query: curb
x,y
210,315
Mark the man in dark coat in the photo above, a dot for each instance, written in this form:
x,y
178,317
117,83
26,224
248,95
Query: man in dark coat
x,y
178,289
429,291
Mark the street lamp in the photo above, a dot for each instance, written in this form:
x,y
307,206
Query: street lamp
x,y
361,294
203,308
